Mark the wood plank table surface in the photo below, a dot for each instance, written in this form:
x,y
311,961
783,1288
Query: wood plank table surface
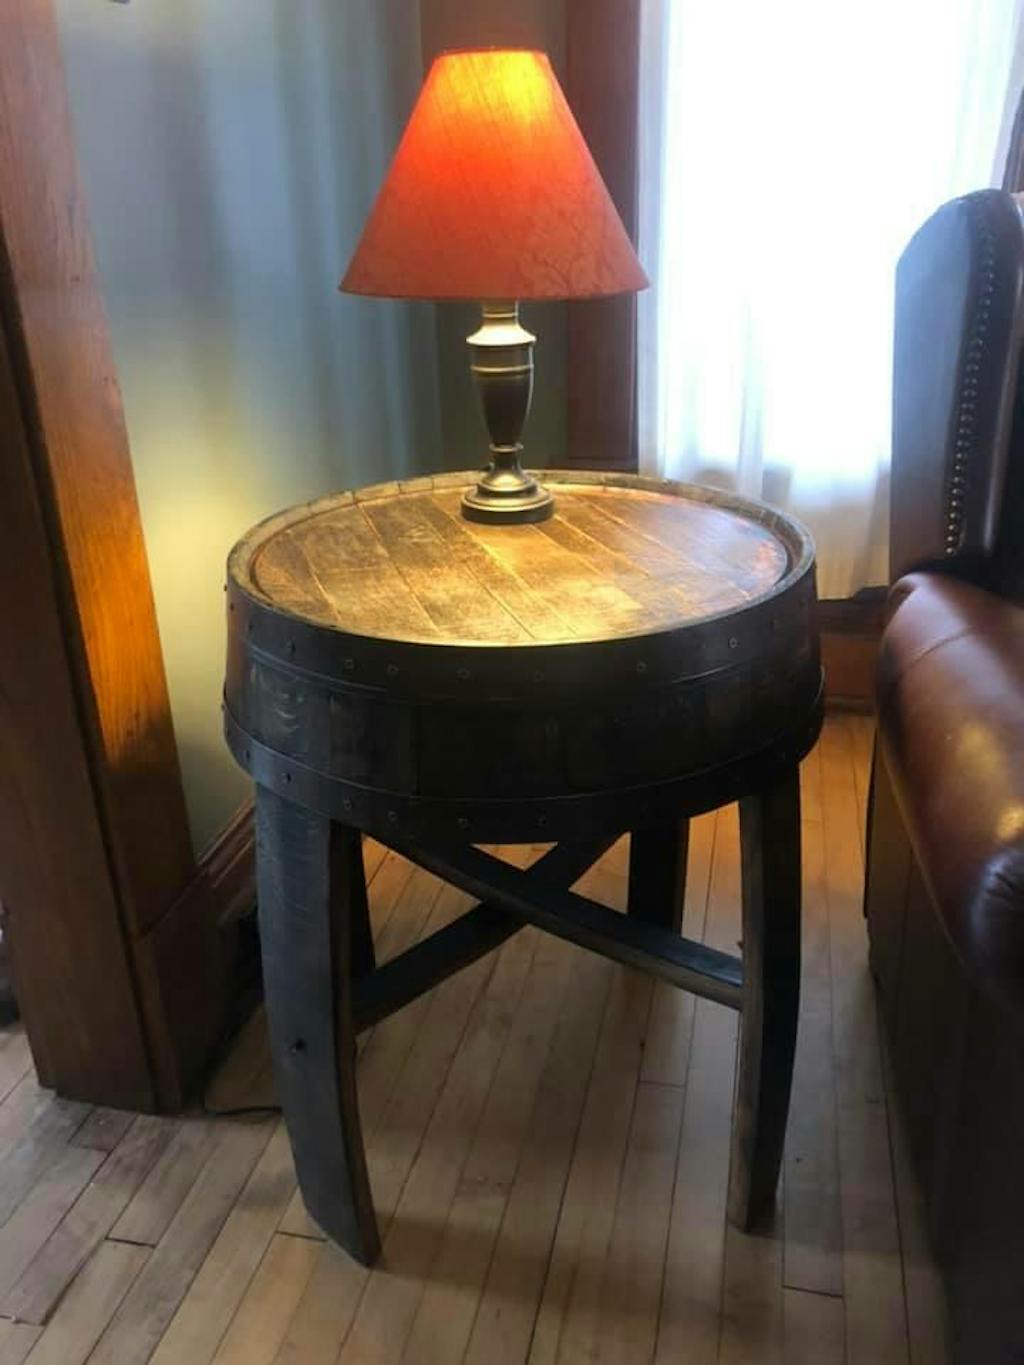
x,y
613,561
647,654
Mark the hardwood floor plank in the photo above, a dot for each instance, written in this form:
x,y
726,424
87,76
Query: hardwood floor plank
x,y
688,1321
813,1258
36,1147
259,1325
810,787
195,1331
515,1280
751,1285
42,1209
373,856
15,1059
88,1220
388,1307
440,1021
752,1324
16,1340
409,913
24,1104
814,1329
150,1210
876,1329
89,1305
444,1319
242,1078
628,1322
153,1299
667,1046
103,1129
572,1290
323,1314
876,1325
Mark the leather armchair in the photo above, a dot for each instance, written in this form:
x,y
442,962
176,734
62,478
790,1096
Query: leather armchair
x,y
945,878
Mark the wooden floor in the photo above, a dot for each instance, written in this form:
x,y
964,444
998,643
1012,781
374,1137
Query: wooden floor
x,y
548,1144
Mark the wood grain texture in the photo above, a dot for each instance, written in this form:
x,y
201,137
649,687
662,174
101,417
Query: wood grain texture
x,y
379,673
770,837
102,939
45,1278
82,969
305,931
546,1153
614,560
63,355
75,1328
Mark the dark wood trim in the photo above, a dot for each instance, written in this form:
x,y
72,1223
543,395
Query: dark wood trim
x,y
229,867
602,86
850,630
862,614
305,926
634,940
770,847
657,873
475,933
101,938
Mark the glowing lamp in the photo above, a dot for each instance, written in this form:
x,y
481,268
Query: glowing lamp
x,y
493,195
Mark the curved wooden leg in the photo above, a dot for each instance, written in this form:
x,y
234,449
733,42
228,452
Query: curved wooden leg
x,y
770,838
348,887
306,868
657,873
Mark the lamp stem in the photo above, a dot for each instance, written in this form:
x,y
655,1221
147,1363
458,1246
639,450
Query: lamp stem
x,y
501,359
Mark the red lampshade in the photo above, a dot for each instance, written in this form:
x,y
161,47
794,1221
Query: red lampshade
x,y
493,194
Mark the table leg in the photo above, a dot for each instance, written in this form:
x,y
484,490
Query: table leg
x,y
306,875
348,884
657,873
770,838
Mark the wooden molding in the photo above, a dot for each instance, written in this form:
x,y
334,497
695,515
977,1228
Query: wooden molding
x,y
229,866
602,85
850,631
60,348
96,863
68,952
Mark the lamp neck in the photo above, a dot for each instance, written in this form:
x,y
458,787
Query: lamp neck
x,y
501,358
501,353
501,326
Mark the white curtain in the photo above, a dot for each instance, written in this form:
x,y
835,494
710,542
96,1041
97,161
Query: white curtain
x,y
788,151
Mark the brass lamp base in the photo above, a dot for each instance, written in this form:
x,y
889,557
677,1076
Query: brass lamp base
x,y
505,494
502,365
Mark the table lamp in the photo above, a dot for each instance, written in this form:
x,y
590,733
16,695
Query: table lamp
x,y
493,195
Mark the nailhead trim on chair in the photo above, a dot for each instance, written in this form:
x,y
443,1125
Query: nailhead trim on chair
x,y
966,432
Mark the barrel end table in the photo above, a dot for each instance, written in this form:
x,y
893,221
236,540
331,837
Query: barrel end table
x,y
647,654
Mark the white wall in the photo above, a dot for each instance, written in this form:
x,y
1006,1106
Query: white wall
x,y
230,151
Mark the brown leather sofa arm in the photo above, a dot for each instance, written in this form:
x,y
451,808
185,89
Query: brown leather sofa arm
x,y
951,726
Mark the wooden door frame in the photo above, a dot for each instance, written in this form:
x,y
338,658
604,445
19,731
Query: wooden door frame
x,y
602,85
110,919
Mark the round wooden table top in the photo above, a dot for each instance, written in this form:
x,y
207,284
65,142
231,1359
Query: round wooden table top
x,y
621,556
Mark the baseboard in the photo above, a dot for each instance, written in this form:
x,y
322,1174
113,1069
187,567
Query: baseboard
x,y
850,630
229,867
